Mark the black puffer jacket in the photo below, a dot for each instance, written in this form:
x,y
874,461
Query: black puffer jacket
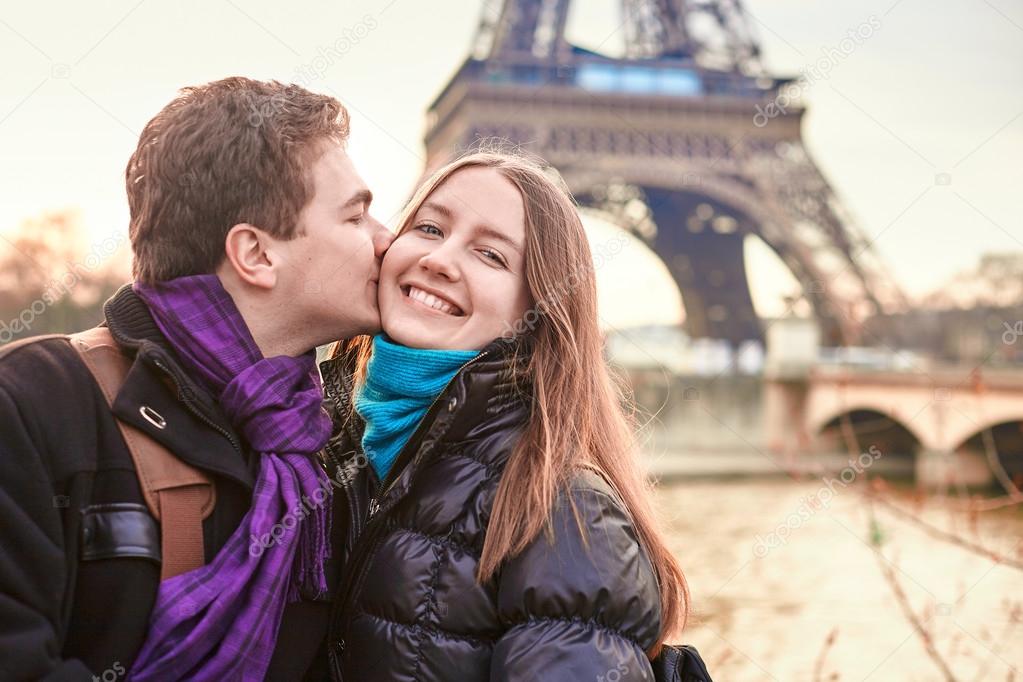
x,y
410,607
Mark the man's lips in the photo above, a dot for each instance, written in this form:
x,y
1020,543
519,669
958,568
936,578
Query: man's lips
x,y
432,300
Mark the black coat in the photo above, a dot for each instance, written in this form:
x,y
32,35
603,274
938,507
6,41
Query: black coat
x,y
63,463
410,608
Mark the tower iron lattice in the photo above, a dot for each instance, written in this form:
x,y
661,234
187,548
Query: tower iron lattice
x,y
685,137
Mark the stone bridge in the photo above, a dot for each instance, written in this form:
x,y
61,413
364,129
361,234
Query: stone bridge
x,y
951,419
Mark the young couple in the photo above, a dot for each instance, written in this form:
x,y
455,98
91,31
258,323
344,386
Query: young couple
x,y
487,518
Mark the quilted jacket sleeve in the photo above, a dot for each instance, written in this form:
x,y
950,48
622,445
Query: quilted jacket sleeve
x,y
579,609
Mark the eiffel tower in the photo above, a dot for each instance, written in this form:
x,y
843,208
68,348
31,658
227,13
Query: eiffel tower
x,y
681,139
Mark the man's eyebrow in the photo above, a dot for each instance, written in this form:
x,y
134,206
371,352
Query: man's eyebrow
x,y
482,228
361,197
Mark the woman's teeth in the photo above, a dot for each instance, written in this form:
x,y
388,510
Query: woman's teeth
x,y
431,301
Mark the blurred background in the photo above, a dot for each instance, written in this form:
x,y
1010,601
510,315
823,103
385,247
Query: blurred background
x,y
805,221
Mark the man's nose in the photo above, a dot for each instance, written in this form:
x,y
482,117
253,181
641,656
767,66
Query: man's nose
x,y
382,239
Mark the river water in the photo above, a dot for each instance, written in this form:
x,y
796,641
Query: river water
x,y
776,565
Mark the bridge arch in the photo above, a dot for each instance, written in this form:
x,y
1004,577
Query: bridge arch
x,y
711,214
1006,437
875,431
975,416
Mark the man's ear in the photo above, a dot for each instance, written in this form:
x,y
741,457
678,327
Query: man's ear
x,y
248,250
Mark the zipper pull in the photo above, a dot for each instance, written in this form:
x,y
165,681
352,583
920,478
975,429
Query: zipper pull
x,y
334,655
374,507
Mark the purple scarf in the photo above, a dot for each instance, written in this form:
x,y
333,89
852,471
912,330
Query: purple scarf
x,y
219,621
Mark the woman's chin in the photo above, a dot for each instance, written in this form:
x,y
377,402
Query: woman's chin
x,y
410,336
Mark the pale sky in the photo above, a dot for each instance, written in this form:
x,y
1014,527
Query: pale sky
x,y
936,89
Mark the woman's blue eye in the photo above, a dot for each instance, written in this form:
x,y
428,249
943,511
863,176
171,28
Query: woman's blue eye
x,y
426,228
493,255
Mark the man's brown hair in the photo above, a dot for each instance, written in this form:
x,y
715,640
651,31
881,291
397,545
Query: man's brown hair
x,y
232,151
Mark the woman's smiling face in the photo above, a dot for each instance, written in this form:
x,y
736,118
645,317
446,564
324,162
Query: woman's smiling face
x,y
455,278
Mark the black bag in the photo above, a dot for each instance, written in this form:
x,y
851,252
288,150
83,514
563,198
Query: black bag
x,y
680,664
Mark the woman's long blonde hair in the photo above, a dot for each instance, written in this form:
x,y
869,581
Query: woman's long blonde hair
x,y
577,417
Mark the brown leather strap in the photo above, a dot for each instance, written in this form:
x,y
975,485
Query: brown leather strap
x,y
178,495
181,530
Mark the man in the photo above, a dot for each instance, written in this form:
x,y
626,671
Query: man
x,y
252,244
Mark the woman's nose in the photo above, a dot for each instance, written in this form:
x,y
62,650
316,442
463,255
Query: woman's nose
x,y
440,262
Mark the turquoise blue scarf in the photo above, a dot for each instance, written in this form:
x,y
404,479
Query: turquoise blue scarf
x,y
401,384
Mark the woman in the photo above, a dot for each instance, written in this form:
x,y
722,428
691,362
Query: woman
x,y
499,526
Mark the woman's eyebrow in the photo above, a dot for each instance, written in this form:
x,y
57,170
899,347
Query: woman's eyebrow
x,y
439,208
488,231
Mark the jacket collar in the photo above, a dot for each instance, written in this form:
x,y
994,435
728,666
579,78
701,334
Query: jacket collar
x,y
490,391
491,383
488,394
197,431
